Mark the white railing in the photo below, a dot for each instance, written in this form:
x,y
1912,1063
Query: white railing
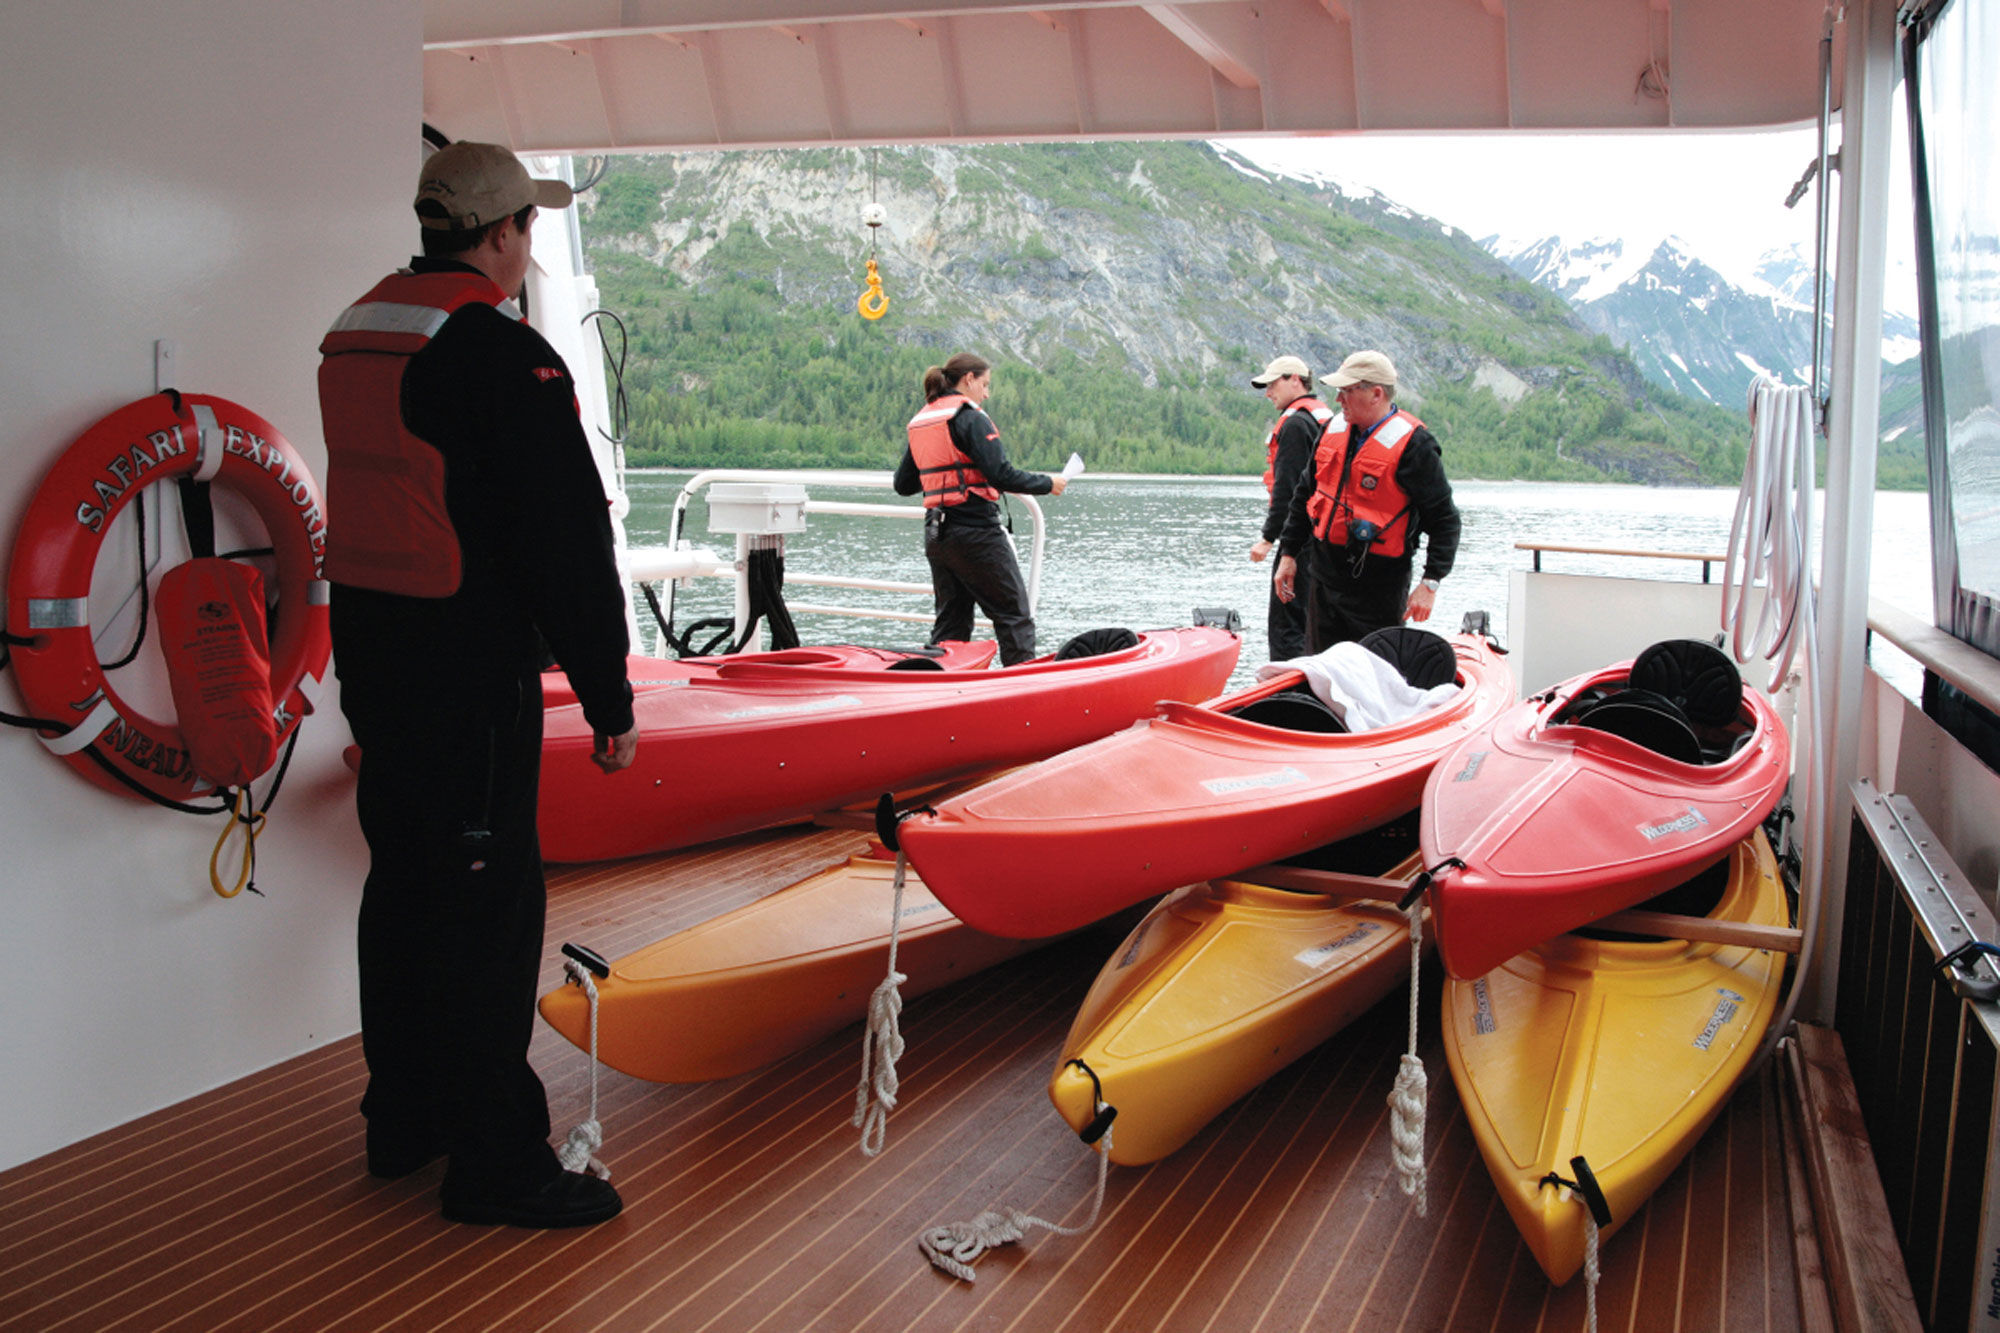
x,y
681,560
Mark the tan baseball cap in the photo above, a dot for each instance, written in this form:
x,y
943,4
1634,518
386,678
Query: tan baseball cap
x,y
1279,368
1364,368
467,185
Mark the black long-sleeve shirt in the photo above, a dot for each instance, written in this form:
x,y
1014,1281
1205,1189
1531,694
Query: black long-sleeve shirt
x,y
1433,512
1298,436
528,506
979,440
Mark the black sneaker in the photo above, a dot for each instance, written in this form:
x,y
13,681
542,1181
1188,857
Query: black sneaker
x,y
572,1199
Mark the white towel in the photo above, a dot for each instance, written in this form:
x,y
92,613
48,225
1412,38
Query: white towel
x,y
1363,690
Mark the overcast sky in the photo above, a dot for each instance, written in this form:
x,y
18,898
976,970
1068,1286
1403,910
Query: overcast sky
x,y
1722,193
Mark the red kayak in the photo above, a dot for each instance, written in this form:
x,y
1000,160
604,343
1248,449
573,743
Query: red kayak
x,y
756,743
651,673
1593,796
1194,793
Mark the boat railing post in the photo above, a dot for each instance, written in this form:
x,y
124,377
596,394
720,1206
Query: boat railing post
x,y
1037,543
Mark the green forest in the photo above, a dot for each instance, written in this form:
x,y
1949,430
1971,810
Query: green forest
x,y
758,358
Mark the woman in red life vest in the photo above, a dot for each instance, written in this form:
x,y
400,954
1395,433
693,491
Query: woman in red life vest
x,y
955,459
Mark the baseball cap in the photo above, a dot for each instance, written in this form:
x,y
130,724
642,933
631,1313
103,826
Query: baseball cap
x,y
467,185
1364,368
1279,368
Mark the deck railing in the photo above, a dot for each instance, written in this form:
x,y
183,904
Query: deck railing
x,y
1921,1040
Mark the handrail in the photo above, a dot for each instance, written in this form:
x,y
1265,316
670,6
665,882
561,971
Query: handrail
x,y
809,477
1938,652
1620,551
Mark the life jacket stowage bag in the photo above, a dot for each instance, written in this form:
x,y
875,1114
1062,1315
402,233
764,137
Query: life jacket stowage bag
x,y
165,436
1321,413
211,618
1366,488
947,474
386,483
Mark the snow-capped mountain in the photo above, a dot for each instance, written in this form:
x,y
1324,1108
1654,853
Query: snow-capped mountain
x,y
1684,323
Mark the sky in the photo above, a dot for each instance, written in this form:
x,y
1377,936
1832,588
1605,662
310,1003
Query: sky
x,y
1721,193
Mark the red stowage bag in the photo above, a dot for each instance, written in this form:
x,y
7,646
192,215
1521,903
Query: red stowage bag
x,y
211,615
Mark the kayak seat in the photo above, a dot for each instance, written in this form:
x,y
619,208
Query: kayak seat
x,y
1424,659
1696,675
1097,642
1646,719
1296,709
916,664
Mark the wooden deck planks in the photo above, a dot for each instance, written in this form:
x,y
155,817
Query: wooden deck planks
x,y
749,1206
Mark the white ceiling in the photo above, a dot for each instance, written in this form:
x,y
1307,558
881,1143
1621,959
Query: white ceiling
x,y
610,75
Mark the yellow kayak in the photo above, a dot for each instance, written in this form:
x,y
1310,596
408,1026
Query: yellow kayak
x,y
1219,987
1617,1051
771,977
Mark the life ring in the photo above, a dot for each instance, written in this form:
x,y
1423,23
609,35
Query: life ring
x,y
168,435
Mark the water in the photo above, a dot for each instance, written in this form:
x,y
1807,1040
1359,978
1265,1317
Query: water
x,y
1143,552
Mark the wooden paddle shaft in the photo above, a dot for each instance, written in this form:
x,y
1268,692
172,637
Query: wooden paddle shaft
x,y
1635,921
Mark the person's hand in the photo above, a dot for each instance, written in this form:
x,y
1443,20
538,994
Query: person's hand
x,y
1281,582
1258,550
1058,484
612,753
1422,599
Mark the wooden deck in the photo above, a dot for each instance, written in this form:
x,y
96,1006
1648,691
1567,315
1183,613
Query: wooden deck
x,y
749,1206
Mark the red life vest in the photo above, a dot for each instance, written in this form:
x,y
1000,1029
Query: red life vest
x,y
385,484
1305,402
948,475
1365,488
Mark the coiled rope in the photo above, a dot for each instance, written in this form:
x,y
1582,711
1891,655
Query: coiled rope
x,y
882,1042
956,1246
1408,1098
579,1149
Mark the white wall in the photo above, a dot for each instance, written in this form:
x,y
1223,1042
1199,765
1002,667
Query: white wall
x,y
227,174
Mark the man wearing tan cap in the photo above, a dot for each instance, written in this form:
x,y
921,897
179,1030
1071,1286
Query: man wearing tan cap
x,y
466,525
1377,489
1302,419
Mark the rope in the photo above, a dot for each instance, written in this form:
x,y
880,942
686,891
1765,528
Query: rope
x,y
1591,1272
882,1042
954,1247
243,815
1407,1099
579,1150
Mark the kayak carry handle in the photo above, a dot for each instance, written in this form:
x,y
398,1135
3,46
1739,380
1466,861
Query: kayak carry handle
x,y
590,958
1586,1187
1423,881
1100,1124
886,820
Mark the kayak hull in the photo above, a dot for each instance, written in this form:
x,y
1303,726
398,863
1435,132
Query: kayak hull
x,y
753,744
1193,793
770,978
1554,824
1621,1052
1219,987
649,673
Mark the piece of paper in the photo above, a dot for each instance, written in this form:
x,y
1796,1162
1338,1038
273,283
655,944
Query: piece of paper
x,y
1073,468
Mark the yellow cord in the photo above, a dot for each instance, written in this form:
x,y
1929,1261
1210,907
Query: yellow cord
x,y
251,821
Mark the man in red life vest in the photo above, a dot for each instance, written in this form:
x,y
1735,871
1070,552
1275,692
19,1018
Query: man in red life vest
x,y
1378,486
1302,420
467,525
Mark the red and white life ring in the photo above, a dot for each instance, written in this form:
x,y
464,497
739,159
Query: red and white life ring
x,y
165,436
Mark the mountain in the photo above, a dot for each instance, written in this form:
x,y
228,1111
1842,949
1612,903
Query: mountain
x,y
1125,292
1686,325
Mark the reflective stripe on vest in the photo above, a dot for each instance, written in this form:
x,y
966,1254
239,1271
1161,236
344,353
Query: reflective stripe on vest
x,y
948,476
1371,492
385,487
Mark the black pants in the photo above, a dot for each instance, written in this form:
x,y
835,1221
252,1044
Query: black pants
x,y
1285,623
974,563
1344,606
450,936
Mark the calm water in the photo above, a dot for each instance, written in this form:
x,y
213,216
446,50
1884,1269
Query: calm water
x,y
1144,552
